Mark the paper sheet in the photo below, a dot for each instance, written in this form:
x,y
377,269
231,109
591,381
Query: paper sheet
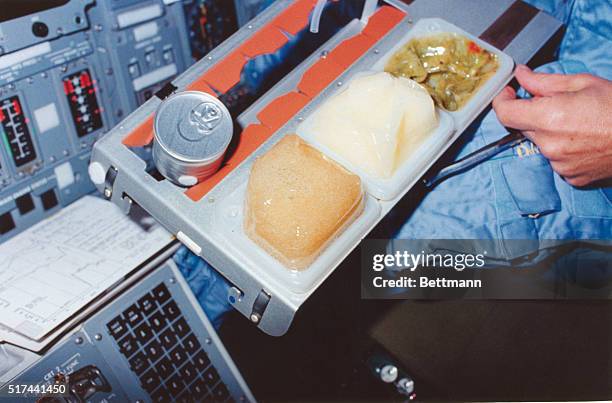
x,y
53,269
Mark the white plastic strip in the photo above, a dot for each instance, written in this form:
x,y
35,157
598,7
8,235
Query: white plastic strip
x,y
154,77
139,15
145,31
24,54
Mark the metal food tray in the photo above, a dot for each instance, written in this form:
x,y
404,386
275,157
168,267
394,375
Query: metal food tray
x,y
270,299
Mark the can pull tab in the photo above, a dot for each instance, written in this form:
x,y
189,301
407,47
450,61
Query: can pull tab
x,y
205,117
259,306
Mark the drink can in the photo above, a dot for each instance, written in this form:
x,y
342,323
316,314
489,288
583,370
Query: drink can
x,y
192,131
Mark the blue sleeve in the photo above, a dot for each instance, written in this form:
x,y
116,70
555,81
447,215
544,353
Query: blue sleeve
x,y
560,9
208,286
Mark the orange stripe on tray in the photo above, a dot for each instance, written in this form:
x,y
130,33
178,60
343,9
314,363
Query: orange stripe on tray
x,y
226,73
349,50
201,85
279,111
267,40
295,17
381,22
142,135
319,76
251,138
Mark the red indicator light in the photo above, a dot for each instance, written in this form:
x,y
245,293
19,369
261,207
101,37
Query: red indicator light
x,y
68,88
85,80
17,107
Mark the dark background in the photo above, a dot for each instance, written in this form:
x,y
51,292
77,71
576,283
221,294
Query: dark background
x,y
454,350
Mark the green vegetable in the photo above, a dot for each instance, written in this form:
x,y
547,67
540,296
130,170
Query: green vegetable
x,y
451,67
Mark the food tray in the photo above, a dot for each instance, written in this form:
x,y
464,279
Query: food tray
x,y
211,224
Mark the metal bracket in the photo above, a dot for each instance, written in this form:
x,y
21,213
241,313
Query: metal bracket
x,y
109,182
259,306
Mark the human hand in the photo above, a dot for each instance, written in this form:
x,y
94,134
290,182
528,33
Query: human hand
x,y
569,118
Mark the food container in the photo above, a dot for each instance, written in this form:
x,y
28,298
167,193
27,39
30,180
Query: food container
x,y
450,123
390,187
192,131
481,99
228,223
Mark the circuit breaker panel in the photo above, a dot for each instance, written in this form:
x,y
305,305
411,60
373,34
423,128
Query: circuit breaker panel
x,y
69,71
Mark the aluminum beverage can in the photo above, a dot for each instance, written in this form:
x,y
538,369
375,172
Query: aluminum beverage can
x,y
192,131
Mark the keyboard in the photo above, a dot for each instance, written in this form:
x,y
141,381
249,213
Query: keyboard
x,y
152,343
165,354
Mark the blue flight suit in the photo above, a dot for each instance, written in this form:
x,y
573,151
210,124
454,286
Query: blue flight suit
x,y
516,195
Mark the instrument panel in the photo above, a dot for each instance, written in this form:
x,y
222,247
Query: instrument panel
x,y
15,132
70,70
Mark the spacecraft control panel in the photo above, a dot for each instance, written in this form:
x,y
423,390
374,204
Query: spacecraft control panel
x,y
72,69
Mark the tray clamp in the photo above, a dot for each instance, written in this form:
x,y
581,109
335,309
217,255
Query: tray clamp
x,y
259,306
109,182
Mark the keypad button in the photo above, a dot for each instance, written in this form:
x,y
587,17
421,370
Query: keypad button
x,y
161,293
198,388
178,356
128,345
138,363
201,361
211,377
143,333
171,310
149,380
168,339
161,395
164,367
153,350
175,385
185,398
220,393
181,327
117,327
191,344
147,304
157,321
132,315
188,372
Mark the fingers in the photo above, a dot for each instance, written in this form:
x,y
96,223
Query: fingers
x,y
542,84
521,114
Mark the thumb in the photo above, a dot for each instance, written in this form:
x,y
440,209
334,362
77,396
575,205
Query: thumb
x,y
544,85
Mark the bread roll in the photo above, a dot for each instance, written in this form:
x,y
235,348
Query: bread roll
x,y
298,200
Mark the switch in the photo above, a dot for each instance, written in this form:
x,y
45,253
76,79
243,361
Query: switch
x,y
134,70
6,223
150,57
49,199
25,204
168,56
